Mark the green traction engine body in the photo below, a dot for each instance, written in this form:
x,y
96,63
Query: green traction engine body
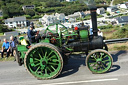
x,y
45,59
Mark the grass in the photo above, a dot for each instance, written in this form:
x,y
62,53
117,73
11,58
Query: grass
x,y
10,58
1,34
118,46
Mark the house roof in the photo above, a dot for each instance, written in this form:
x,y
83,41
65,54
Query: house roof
x,y
22,18
122,19
100,9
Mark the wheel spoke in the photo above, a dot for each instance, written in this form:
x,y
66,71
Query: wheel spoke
x,y
46,71
105,56
39,55
49,69
52,57
93,63
50,53
45,54
55,60
52,63
37,64
105,61
103,65
36,59
53,68
33,62
37,69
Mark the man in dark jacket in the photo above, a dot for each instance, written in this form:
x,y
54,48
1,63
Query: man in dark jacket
x,y
33,36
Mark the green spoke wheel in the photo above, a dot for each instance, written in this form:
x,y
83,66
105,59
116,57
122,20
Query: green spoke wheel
x,y
99,61
43,61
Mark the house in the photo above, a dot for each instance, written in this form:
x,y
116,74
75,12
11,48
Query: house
x,y
121,20
76,15
1,13
16,22
60,17
112,9
70,0
87,13
100,11
54,18
28,7
124,6
48,19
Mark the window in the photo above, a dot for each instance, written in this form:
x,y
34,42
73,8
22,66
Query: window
x,y
10,22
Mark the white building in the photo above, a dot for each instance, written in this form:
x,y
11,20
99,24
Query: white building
x,y
60,17
28,7
124,6
51,19
1,13
48,19
112,9
76,15
100,11
70,0
16,22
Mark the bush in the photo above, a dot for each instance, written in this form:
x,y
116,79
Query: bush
x,y
121,33
36,17
30,12
28,16
106,27
4,28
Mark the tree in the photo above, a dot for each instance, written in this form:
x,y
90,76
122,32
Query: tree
x,y
30,12
3,28
5,12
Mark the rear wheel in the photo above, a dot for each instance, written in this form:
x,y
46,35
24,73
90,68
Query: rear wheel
x,y
17,56
44,61
99,61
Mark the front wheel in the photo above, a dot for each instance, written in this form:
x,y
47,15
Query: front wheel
x,y
43,61
99,61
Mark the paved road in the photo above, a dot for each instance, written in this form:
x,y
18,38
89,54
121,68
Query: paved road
x,y
75,73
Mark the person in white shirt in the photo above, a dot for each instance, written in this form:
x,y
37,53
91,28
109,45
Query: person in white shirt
x,y
100,33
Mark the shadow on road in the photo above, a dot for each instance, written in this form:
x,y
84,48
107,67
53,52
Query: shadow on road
x,y
114,68
115,56
73,65
77,60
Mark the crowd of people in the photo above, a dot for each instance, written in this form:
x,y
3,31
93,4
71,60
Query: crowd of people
x,y
8,47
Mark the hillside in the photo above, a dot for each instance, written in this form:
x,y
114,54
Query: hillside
x,y
14,7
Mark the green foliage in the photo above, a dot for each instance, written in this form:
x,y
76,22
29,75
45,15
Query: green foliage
x,y
36,17
30,12
28,16
107,13
121,33
3,28
106,27
119,1
14,7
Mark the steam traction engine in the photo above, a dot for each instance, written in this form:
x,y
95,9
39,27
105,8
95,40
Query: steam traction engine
x,y
45,60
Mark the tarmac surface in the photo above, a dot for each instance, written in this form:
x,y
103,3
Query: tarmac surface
x,y
75,73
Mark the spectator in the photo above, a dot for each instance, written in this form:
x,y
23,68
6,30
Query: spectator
x,y
12,44
100,33
5,48
33,35
91,31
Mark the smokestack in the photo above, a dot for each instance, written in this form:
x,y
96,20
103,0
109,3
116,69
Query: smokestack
x,y
94,21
